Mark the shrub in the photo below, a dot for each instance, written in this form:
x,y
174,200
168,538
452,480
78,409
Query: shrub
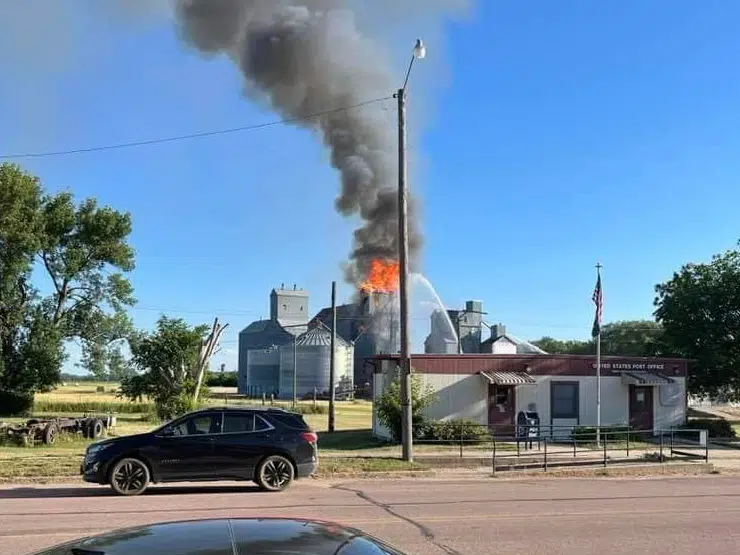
x,y
716,427
302,408
221,379
15,403
610,433
389,410
457,430
309,409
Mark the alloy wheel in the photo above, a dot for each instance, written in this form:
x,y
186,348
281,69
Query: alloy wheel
x,y
130,477
277,473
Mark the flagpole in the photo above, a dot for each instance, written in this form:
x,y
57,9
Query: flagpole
x,y
598,365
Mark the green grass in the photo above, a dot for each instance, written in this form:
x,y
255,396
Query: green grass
x,y
349,440
38,466
364,465
353,435
71,399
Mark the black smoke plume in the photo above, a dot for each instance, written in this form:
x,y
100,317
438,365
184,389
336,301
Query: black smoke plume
x,y
306,57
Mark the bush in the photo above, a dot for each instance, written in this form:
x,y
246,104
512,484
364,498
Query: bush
x,y
389,410
309,409
301,408
221,379
610,433
716,427
15,403
467,431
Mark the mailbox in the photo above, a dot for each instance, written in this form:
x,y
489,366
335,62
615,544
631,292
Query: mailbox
x,y
527,425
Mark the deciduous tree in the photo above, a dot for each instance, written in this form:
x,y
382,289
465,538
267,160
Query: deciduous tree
x,y
626,338
699,309
172,361
84,252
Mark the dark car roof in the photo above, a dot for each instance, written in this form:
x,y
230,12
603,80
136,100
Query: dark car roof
x,y
248,536
244,408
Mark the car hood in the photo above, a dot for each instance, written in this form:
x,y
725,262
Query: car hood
x,y
252,536
121,439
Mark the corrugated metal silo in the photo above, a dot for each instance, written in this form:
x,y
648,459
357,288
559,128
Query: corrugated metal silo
x,y
312,351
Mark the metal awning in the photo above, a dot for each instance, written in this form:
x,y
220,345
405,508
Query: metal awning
x,y
645,378
508,378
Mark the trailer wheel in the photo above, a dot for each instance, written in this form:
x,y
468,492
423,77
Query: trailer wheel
x,y
50,433
96,428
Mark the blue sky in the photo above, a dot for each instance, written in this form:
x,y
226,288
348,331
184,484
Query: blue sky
x,y
553,136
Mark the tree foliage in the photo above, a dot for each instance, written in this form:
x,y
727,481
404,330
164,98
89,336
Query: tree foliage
x,y
564,347
699,309
626,338
84,253
169,360
389,408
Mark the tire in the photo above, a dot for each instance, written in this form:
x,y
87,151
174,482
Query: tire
x,y
85,428
129,477
275,473
50,434
96,428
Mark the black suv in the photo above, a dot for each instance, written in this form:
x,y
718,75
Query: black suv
x,y
269,446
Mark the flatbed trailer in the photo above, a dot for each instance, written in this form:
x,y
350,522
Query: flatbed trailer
x,y
46,430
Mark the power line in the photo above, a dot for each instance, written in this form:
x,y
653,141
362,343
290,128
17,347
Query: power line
x,y
202,134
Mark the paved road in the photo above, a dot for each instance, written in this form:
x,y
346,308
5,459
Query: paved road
x,y
681,515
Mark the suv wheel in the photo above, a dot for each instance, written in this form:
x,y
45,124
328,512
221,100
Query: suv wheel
x,y
129,477
275,473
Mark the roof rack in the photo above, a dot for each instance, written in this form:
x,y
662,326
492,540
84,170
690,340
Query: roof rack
x,y
245,407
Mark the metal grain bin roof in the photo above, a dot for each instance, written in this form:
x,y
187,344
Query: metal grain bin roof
x,y
318,337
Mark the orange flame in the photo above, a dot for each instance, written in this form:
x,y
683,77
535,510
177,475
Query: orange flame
x,y
383,277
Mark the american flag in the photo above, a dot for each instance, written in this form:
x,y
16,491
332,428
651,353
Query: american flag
x,y
598,300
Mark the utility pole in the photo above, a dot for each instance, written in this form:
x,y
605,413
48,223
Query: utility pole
x,y
403,274
332,368
407,421
295,370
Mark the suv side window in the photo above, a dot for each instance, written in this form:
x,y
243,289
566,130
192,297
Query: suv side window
x,y
198,425
238,423
235,423
260,425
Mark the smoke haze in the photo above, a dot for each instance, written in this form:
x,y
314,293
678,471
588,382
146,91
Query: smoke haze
x,y
309,56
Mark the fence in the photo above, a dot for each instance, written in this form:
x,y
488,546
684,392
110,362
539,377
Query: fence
x,y
549,447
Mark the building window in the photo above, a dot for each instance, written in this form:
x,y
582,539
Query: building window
x,y
564,400
502,395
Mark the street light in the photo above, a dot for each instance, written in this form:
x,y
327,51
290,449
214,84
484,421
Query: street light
x,y
295,359
403,262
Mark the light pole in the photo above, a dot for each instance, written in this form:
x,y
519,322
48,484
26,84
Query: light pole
x,y
295,360
403,262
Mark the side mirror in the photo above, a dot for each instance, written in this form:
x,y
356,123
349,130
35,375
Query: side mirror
x,y
167,432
